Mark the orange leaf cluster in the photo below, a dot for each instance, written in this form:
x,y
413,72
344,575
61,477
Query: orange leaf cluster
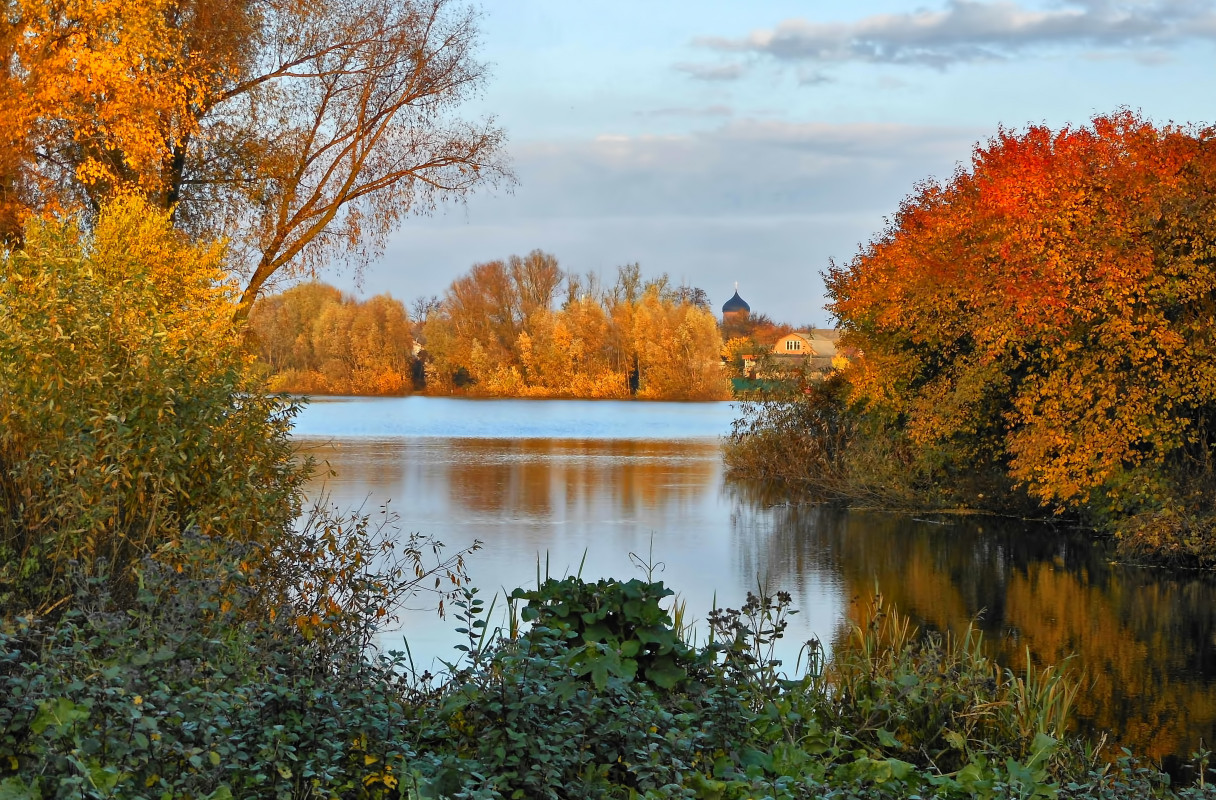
x,y
1051,309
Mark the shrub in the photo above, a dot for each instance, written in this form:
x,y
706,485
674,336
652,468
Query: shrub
x,y
610,629
892,713
127,412
197,688
178,697
798,435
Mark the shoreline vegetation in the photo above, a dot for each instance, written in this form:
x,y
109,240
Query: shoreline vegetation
x,y
1055,359
496,334
169,629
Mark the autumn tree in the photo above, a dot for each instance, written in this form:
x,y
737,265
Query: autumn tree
x,y
497,333
128,412
482,314
314,340
303,133
757,328
1050,311
678,347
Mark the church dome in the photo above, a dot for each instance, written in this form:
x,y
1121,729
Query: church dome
x,y
735,304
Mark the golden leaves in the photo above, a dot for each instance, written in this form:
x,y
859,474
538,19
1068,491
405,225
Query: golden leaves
x,y
1048,309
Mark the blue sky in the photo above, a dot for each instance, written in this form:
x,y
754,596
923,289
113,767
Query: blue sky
x,y
753,141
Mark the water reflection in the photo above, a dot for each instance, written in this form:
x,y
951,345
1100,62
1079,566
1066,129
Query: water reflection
x,y
572,503
1145,640
1142,640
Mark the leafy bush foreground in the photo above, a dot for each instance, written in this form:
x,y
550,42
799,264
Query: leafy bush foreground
x,y
177,697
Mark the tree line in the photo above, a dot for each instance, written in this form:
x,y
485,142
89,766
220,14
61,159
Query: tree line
x,y
519,327
312,339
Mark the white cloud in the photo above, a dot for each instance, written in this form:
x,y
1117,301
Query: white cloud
x,y
713,72
970,30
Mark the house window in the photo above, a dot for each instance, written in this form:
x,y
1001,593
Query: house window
x,y
793,344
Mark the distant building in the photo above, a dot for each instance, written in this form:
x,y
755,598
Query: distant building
x,y
813,348
736,308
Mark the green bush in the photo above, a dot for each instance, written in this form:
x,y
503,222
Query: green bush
x,y
184,696
890,714
176,698
127,411
193,690
610,628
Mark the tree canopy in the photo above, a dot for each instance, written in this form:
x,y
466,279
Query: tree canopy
x,y
301,132
497,332
314,340
1051,310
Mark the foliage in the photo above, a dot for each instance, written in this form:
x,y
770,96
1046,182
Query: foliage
x,y
342,578
194,690
939,699
313,340
496,333
890,714
1049,310
677,346
299,133
611,628
799,437
127,411
1040,328
185,695
759,329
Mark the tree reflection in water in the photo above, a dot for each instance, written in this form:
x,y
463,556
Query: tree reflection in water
x,y
1144,639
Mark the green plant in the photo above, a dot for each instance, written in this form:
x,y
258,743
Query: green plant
x,y
612,627
938,702
181,695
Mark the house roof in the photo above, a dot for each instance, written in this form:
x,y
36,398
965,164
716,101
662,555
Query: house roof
x,y
735,303
819,345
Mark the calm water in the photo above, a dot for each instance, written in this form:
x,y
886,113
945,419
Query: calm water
x,y
584,484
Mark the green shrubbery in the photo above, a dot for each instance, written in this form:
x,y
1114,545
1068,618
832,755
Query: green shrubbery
x,y
891,713
177,697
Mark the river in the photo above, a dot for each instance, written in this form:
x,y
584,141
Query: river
x,y
597,487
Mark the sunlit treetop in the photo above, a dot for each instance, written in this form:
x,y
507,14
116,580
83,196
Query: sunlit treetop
x,y
1050,307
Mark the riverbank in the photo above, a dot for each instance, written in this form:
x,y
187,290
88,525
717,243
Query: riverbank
x,y
822,443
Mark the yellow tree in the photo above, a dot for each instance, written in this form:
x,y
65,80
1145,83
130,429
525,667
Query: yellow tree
x,y
313,340
301,132
678,347
127,412
477,326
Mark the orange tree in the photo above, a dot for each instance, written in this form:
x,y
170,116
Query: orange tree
x,y
1050,312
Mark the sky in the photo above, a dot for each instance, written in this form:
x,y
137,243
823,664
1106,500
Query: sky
x,y
754,141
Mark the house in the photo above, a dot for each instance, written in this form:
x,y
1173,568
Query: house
x,y
813,348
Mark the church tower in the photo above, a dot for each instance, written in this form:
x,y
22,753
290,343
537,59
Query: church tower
x,y
736,308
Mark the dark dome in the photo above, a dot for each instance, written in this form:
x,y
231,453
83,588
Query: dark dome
x,y
735,303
